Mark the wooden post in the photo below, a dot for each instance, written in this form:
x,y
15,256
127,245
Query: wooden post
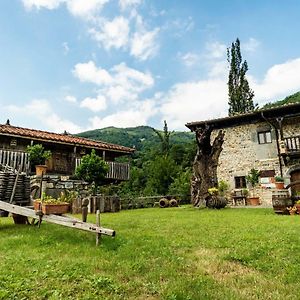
x,y
98,235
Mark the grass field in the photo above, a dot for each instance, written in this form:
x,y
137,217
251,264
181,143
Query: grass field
x,y
175,253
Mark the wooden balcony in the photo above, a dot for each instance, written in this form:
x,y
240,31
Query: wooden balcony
x,y
15,159
20,160
292,146
117,171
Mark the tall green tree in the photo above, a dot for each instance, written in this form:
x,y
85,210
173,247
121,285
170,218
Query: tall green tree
x,y
164,138
239,92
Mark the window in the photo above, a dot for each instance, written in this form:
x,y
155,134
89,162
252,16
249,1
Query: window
x,y
240,182
264,137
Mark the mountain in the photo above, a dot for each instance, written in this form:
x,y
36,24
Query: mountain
x,y
294,98
139,137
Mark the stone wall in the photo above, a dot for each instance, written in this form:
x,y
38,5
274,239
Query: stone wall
x,y
242,152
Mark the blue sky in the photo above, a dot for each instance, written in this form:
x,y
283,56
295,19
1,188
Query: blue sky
x,y
77,65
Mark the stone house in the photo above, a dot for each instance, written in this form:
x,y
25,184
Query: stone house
x,y
66,150
267,140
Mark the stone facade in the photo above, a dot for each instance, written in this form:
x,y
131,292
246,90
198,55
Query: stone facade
x,y
242,152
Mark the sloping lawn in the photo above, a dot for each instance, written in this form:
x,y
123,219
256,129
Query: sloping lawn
x,y
174,253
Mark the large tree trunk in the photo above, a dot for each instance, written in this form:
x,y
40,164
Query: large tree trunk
x,y
205,165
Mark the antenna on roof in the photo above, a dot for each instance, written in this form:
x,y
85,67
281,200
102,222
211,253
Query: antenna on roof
x,y
7,122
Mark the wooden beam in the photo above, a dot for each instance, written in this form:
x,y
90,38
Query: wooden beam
x,y
55,219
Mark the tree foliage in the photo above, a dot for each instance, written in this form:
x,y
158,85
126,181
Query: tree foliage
x,y
161,164
92,169
239,92
164,138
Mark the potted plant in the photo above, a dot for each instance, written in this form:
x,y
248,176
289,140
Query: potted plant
x,y
49,205
37,157
279,182
253,179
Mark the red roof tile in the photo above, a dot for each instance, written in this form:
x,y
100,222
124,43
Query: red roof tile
x,y
61,138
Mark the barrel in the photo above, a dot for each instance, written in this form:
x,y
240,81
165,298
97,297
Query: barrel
x,y
216,201
281,200
173,203
163,202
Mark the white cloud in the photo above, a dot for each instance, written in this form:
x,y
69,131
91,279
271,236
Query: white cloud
x,y
70,99
94,104
251,45
216,50
179,27
135,116
117,33
125,4
279,81
189,59
78,8
119,84
38,4
85,8
207,99
112,33
143,43
41,110
88,72
192,101
218,69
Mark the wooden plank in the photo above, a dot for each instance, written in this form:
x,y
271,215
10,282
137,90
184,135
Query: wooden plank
x,y
55,219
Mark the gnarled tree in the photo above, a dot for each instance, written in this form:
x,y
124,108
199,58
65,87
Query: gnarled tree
x,y
205,164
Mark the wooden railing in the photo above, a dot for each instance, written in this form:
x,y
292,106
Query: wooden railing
x,y
15,160
118,171
292,144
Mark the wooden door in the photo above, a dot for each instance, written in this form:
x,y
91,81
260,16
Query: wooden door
x,y
295,176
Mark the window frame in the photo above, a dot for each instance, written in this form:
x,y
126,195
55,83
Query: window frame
x,y
264,139
240,182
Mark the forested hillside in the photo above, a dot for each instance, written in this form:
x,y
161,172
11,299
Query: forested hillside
x,y
139,137
295,98
161,163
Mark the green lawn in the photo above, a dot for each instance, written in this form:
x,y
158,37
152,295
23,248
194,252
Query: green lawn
x,y
174,253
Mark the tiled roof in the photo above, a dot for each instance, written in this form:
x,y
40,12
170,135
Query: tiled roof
x,y
61,138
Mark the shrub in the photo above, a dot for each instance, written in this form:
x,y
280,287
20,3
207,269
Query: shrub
x,y
37,154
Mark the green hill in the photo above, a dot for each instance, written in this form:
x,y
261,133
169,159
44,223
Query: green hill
x,y
294,98
139,137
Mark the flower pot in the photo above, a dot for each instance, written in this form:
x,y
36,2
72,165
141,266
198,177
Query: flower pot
x,y
292,212
254,201
40,170
279,185
48,208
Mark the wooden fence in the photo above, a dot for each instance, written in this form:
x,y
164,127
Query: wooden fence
x,y
15,160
